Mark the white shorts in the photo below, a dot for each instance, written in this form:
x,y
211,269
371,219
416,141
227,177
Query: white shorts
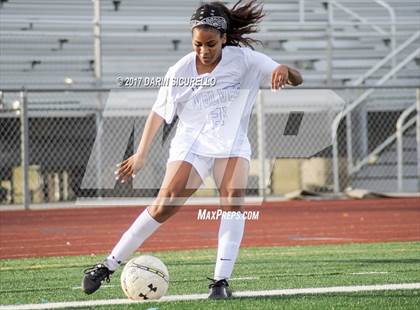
x,y
203,164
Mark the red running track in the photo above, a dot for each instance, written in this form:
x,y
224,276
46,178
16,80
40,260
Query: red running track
x,y
96,230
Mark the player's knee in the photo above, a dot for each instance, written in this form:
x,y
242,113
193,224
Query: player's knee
x,y
232,198
171,196
162,212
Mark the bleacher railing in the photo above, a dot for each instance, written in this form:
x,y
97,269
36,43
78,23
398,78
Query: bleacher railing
x,y
399,134
365,21
352,168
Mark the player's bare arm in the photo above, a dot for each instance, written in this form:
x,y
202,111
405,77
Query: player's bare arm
x,y
283,75
129,167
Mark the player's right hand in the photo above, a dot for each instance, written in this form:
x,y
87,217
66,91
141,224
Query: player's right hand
x,y
129,167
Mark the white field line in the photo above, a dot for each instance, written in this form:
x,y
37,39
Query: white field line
x,y
369,272
243,279
102,286
297,291
115,285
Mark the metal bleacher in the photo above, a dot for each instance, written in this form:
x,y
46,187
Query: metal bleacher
x,y
47,43
43,42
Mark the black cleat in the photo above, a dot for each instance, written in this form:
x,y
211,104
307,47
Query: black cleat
x,y
219,289
94,277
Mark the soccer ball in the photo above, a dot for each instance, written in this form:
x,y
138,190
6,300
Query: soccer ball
x,y
144,277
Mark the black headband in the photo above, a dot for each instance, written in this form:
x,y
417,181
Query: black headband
x,y
209,16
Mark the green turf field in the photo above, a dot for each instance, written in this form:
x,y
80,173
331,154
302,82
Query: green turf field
x,y
44,280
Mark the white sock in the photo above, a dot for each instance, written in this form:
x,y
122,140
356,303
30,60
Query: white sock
x,y
142,228
230,236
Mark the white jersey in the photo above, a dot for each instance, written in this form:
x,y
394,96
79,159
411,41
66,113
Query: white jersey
x,y
213,120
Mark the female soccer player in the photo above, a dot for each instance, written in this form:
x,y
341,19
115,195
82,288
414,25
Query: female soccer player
x,y
211,135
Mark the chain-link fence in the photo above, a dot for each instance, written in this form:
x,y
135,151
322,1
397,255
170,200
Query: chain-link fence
x,y
368,144
75,139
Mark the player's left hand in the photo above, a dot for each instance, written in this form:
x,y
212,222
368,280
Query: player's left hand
x,y
279,77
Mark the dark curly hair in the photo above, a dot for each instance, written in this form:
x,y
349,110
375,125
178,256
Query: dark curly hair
x,y
242,19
